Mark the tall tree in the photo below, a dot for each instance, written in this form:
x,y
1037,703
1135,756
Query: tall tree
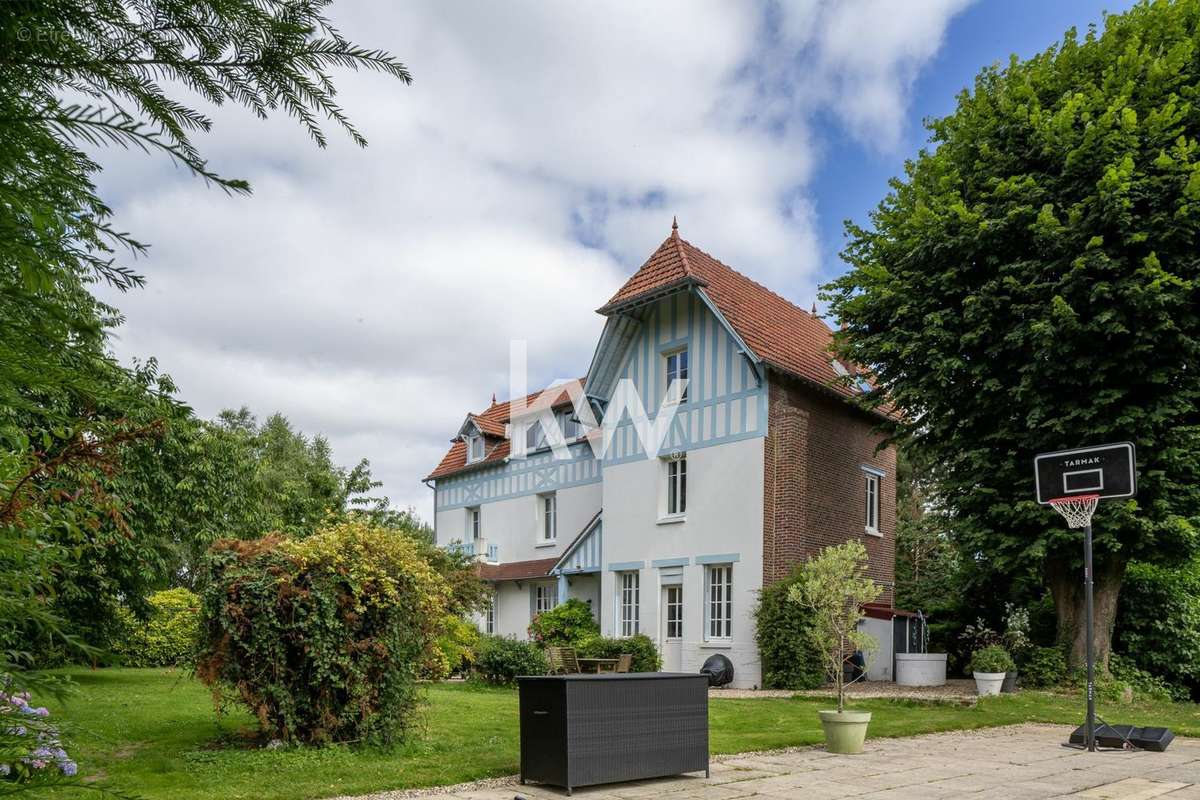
x,y
77,76
1031,284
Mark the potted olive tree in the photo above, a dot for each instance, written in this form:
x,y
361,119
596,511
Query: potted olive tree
x,y
834,586
990,665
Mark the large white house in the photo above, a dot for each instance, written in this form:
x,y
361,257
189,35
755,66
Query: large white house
x,y
766,460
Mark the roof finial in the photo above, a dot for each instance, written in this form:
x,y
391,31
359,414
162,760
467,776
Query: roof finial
x,y
814,308
493,398
674,225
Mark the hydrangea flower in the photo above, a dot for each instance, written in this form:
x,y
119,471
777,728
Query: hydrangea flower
x,y
42,748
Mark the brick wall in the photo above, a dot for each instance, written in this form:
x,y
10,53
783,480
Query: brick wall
x,y
814,487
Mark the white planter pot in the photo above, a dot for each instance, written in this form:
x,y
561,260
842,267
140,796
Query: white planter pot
x,y
921,669
988,682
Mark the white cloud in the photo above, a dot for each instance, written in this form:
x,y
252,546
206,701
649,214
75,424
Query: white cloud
x,y
535,162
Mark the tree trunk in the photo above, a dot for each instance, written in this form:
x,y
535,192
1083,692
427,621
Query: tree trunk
x,y
1066,587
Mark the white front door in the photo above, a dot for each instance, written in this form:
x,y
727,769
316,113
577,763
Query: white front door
x,y
672,628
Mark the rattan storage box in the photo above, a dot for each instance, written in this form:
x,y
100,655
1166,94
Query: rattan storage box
x,y
581,730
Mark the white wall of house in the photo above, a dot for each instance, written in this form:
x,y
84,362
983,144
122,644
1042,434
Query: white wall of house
x,y
512,609
514,524
585,587
723,518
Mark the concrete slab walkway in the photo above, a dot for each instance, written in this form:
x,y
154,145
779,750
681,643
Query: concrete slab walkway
x,y
1015,763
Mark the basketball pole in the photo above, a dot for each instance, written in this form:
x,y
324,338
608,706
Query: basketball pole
x,y
1091,659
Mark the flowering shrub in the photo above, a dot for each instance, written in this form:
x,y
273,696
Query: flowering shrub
x,y
29,745
567,624
323,638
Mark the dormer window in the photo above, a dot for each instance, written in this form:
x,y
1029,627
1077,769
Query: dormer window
x,y
535,436
474,448
676,363
571,430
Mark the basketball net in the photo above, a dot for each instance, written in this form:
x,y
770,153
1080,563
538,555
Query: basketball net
x,y
1077,510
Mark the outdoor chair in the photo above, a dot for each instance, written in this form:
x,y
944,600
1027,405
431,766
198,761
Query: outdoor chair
x,y
624,662
562,660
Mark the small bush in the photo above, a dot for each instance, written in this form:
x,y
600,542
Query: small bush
x,y
567,624
789,660
641,647
499,660
992,658
323,638
1158,622
1142,683
1044,668
168,638
456,649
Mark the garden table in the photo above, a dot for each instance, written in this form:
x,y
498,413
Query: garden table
x,y
597,665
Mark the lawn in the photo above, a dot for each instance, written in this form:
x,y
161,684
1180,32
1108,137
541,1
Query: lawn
x,y
152,733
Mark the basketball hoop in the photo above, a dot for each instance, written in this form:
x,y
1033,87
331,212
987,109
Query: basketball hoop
x,y
1077,510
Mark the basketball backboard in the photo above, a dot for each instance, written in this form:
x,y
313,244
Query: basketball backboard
x,y
1106,470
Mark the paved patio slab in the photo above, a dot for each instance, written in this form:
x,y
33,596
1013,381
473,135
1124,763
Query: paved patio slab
x,y
1024,762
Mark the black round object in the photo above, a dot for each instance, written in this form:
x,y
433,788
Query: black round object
x,y
719,670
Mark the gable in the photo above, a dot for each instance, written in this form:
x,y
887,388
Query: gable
x,y
726,397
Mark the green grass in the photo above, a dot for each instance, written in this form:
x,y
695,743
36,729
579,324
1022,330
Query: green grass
x,y
153,733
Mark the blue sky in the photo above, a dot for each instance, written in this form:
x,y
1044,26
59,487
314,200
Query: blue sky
x,y
536,161
852,178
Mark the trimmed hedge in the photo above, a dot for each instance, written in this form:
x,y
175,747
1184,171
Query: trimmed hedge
x,y
323,638
167,638
789,660
500,659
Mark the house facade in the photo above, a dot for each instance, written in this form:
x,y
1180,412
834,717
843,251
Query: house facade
x,y
673,532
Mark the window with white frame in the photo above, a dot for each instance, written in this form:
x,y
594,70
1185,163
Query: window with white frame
x,y
676,488
545,597
677,369
489,619
535,435
475,523
719,593
548,513
871,517
474,448
628,603
674,612
571,429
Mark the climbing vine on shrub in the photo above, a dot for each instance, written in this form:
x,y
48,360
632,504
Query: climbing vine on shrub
x,y
567,624
323,638
789,660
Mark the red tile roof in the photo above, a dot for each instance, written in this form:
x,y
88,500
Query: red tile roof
x,y
783,335
489,425
491,422
517,570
